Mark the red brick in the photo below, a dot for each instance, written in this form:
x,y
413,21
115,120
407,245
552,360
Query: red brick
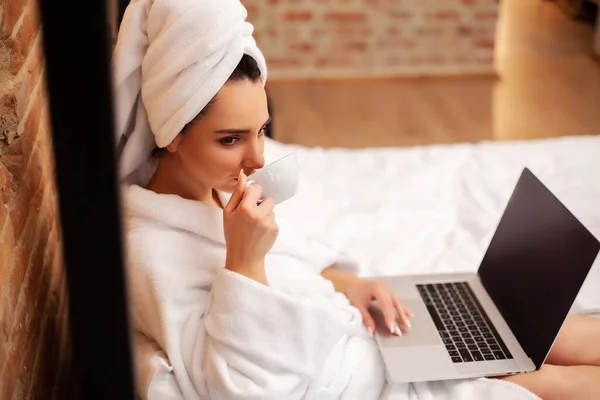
x,y
271,32
464,30
7,242
31,128
395,60
28,78
25,37
302,47
11,12
33,173
401,15
17,274
356,47
8,382
430,31
32,332
449,15
5,179
298,16
16,342
8,313
484,44
325,62
14,149
336,16
393,31
486,15
19,213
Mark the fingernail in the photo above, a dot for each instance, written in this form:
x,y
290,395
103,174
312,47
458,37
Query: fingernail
x,y
248,184
241,173
398,331
370,330
392,328
408,324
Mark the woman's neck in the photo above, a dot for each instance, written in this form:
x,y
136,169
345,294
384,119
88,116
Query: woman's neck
x,y
165,181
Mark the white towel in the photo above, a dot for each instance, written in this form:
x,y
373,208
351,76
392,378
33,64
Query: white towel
x,y
177,54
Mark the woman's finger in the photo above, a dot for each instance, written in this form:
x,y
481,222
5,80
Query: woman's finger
x,y
238,193
266,207
368,320
251,196
387,308
403,312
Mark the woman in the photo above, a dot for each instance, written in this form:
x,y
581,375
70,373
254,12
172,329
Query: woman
x,y
242,305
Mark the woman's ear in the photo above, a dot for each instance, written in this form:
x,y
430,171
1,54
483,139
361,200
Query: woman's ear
x,y
174,145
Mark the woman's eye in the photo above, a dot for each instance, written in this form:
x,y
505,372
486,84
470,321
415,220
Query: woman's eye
x,y
262,131
229,141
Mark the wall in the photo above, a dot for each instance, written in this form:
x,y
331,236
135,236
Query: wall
x,y
34,340
331,38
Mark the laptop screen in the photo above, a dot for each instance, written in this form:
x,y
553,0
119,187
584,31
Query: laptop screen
x,y
535,265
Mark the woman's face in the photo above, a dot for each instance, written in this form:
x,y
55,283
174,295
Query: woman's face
x,y
228,138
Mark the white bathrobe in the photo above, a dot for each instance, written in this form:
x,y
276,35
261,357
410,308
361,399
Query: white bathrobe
x,y
204,332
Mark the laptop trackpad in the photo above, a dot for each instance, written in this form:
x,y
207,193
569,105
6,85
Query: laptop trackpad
x,y
423,331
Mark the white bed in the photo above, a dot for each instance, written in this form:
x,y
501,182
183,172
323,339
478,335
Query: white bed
x,y
435,208
427,209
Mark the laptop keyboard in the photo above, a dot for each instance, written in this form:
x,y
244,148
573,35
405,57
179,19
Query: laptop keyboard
x,y
464,327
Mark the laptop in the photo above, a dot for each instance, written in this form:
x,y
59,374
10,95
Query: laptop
x,y
504,318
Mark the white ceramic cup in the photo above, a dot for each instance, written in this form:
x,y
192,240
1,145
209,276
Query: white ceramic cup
x,y
279,180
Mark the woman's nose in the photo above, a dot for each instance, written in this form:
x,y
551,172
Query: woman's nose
x,y
254,157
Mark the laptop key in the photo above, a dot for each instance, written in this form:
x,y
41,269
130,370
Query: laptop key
x,y
472,347
447,341
436,320
499,355
444,334
461,345
450,347
457,360
466,355
453,353
485,350
454,332
469,341
495,347
477,356
489,357
479,339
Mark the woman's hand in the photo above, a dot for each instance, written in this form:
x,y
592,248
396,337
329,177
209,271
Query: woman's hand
x,y
361,292
250,230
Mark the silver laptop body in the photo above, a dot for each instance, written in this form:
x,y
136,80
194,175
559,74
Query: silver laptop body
x,y
503,319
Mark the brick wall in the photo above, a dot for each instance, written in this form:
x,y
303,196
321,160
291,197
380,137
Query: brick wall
x,y
34,341
325,38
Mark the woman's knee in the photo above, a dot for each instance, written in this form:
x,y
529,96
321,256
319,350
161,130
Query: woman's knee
x,y
549,382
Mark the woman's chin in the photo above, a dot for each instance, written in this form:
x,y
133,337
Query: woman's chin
x,y
228,187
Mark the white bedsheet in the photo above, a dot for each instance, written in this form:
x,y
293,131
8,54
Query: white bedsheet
x,y
435,208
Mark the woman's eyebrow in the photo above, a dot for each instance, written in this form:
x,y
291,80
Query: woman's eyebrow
x,y
238,131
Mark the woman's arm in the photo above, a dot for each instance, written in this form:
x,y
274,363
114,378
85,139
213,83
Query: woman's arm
x,y
360,293
341,280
